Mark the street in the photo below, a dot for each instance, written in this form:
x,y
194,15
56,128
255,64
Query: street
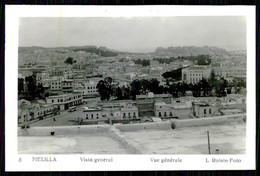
x,y
64,119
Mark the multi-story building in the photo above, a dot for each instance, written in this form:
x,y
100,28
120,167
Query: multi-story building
x,y
119,109
145,103
91,87
156,73
63,102
195,73
230,72
56,85
67,86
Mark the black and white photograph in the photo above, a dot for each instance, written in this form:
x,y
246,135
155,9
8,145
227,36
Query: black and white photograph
x,y
133,85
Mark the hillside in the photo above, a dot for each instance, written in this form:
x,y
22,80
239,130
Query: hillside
x,y
189,51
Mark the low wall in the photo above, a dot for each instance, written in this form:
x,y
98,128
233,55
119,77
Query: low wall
x,y
131,145
208,121
145,126
63,130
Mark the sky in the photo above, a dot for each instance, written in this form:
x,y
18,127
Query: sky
x,y
134,34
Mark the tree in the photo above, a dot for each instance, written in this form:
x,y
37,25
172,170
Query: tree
x,y
238,84
136,88
31,86
20,85
205,87
212,81
220,88
119,93
47,94
173,90
203,60
126,92
154,86
184,88
174,74
144,62
104,88
68,61
39,91
196,90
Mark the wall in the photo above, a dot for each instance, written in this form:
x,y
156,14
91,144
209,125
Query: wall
x,y
63,130
208,121
144,126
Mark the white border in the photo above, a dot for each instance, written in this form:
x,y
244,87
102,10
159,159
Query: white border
x,y
121,162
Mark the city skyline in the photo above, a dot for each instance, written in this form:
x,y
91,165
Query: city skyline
x,y
134,34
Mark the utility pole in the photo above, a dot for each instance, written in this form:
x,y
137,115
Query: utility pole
x,y
208,141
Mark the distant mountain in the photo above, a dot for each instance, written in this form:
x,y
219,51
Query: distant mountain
x,y
189,51
101,51
29,48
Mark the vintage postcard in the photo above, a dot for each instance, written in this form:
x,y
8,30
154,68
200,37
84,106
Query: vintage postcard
x,y
130,88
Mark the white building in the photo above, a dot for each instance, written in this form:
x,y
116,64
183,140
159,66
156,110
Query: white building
x,y
230,72
63,102
203,109
41,111
56,84
93,113
195,73
129,111
156,73
90,88
163,110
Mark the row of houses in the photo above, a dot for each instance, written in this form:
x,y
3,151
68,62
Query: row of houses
x,y
164,106
28,111
195,73
112,109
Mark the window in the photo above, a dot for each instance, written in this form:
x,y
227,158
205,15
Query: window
x,y
129,114
165,114
124,115
209,111
134,114
52,101
205,111
160,114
